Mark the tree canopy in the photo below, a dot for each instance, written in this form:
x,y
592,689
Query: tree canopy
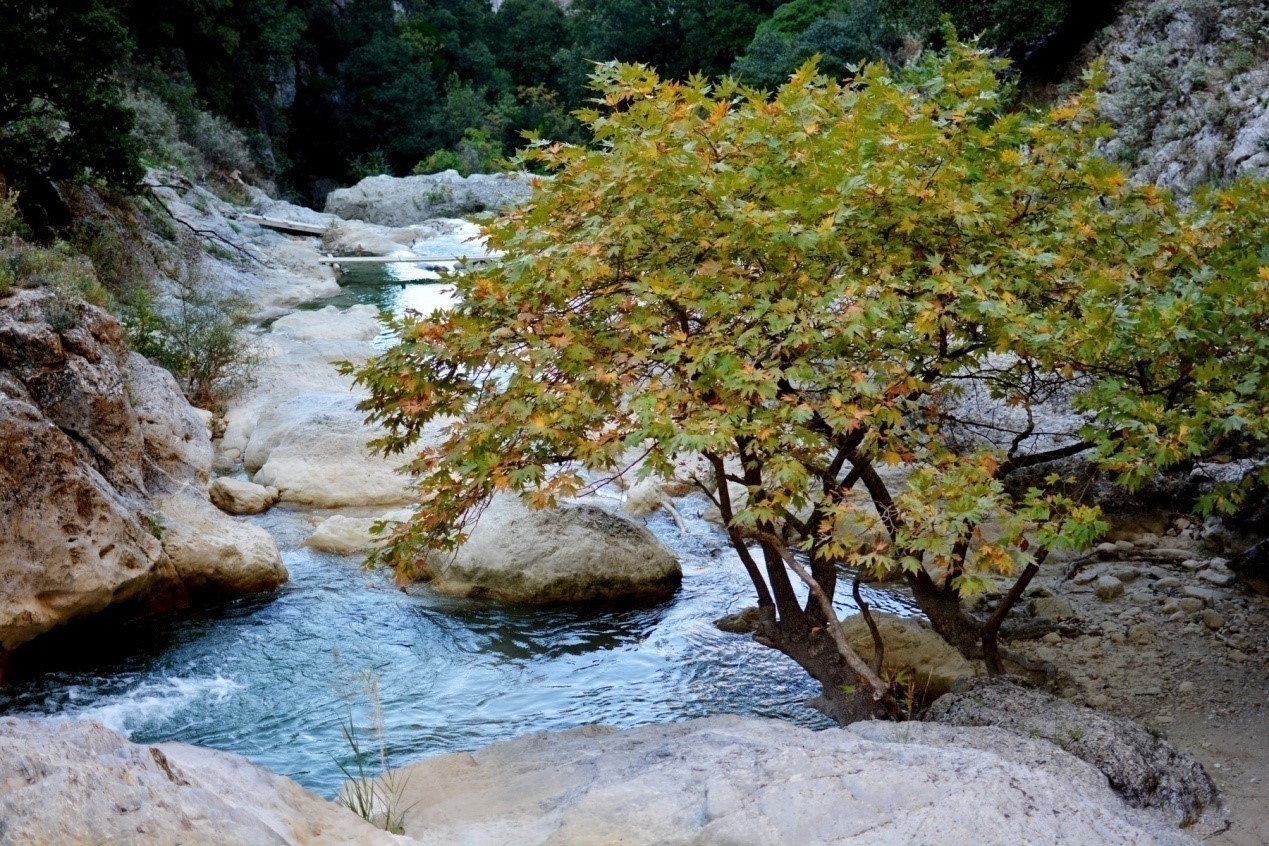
x,y
807,290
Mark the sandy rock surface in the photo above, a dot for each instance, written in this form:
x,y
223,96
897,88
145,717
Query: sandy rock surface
x,y
1181,650
80,784
576,553
743,780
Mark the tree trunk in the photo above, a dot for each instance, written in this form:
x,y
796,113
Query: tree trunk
x,y
843,699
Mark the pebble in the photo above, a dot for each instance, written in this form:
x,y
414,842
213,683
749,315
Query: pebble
x,y
1087,576
1148,539
1193,564
1124,546
1190,604
1106,549
1108,588
1125,573
1117,637
1142,634
1052,608
1217,578
1167,583
1205,595
1051,638
1185,687
1213,619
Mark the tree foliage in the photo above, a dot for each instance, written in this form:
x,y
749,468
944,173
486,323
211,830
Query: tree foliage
x,y
803,290
61,109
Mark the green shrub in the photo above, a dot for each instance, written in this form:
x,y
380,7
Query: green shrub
x,y
201,338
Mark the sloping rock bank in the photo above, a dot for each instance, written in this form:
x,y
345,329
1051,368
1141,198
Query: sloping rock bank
x,y
92,440
80,783
742,780
403,201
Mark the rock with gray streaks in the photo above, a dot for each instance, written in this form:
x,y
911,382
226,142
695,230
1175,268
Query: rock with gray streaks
x,y
745,781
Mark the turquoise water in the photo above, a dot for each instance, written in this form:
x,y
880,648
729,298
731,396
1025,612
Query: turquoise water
x,y
277,678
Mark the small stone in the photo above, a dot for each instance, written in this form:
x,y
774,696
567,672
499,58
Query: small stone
x,y
1124,546
1207,596
1142,634
743,621
1185,687
1051,638
1052,608
1190,604
1106,549
1214,620
1148,539
1086,577
1167,583
1117,637
1108,588
1217,578
1125,573
1163,720
1193,564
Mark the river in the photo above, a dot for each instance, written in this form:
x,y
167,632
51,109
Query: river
x,y
278,679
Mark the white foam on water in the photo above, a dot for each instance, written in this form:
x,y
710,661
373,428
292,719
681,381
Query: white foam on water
x,y
149,702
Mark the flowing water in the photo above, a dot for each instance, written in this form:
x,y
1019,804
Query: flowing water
x,y
279,678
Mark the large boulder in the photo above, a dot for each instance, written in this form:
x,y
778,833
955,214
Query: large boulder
x,y
313,448
750,782
576,553
911,645
402,201
215,554
89,435
70,543
1141,767
74,783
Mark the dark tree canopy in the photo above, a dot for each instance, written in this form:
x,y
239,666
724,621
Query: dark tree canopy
x,y
61,107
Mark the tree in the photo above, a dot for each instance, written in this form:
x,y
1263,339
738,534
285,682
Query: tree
x,y
61,110
805,290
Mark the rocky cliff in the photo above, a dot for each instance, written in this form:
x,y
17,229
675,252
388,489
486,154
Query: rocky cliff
x,y
103,468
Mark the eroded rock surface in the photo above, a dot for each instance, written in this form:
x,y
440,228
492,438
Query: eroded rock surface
x,y
312,448
90,437
742,781
73,783
1146,770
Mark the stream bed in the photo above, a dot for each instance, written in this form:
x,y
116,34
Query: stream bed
x,y
280,679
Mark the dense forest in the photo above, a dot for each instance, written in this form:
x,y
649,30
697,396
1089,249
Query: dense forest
x,y
328,91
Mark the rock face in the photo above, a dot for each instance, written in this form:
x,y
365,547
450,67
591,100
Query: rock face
x,y
312,448
576,553
1186,90
1145,770
90,436
911,644
80,783
751,782
402,201
357,323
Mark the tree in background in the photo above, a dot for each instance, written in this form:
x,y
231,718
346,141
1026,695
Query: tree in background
x,y
806,291
61,108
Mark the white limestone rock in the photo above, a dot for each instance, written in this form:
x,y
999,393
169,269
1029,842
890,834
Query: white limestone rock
x,y
235,496
576,553
81,784
745,781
